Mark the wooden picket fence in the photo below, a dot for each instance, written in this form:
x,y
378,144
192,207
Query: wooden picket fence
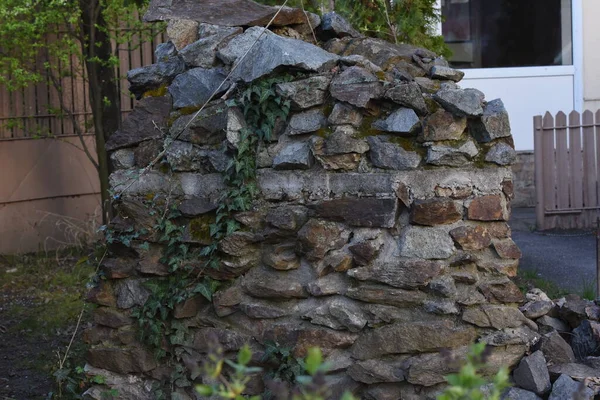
x,y
35,111
567,168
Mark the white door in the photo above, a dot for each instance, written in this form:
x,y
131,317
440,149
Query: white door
x,y
521,51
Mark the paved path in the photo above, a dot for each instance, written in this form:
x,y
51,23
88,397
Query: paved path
x,y
567,258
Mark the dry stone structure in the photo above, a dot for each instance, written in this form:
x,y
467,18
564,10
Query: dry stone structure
x,y
378,231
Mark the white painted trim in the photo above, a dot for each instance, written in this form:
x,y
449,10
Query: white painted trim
x,y
437,29
578,92
519,72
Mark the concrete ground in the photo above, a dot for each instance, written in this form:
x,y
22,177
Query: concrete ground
x,y
567,258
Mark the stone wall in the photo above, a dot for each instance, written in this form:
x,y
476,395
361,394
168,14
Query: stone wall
x,y
524,179
378,232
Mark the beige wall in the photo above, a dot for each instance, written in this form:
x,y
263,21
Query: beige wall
x,y
591,54
48,194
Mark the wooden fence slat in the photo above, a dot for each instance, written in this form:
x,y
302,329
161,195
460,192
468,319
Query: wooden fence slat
x,y
4,112
548,162
589,161
538,169
576,160
562,161
597,136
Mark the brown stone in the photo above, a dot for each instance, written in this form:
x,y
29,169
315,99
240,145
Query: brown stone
x,y
267,283
329,284
282,256
317,237
225,300
507,249
182,32
498,230
189,308
118,268
336,260
301,338
440,211
366,212
496,316
229,340
365,252
488,208
471,237
111,317
508,189
377,371
345,162
556,349
505,267
289,218
122,361
442,125
412,337
102,295
502,292
405,274
150,263
382,294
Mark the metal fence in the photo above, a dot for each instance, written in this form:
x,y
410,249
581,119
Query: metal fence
x,y
567,168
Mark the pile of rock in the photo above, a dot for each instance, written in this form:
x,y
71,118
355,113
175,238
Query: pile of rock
x,y
564,362
379,231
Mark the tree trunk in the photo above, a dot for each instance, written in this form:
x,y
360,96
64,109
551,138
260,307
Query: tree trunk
x,y
103,90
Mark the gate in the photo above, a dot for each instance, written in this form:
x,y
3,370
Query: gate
x,y
567,167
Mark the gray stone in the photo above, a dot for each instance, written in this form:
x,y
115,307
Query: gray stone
x,y
306,122
452,156
532,374
289,218
553,323
334,25
266,309
141,124
131,292
165,51
416,337
585,339
123,159
428,85
154,76
208,186
382,294
501,154
194,87
443,285
515,393
203,52
356,86
403,121
441,307
378,371
536,309
578,372
196,206
494,122
341,141
409,95
305,93
512,336
446,73
362,62
405,274
426,242
248,13
461,102
344,114
185,156
566,388
391,156
367,212
339,313
207,128
121,360
270,52
295,155
556,349
336,283
267,283
496,316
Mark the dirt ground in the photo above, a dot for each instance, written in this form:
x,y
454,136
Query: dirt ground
x,y
40,302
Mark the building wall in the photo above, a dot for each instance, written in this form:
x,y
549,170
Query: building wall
x,y
48,194
591,55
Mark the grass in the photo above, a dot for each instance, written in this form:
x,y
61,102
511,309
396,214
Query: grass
x,y
529,279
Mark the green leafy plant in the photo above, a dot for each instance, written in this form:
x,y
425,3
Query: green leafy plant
x,y
469,382
286,367
311,385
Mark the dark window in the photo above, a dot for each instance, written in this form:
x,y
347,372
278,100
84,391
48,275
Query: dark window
x,y
508,33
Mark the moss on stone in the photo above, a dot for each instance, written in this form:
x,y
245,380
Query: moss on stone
x,y
200,227
158,92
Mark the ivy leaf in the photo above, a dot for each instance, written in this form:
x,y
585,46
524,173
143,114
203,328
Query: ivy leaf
x,y
314,359
244,355
204,290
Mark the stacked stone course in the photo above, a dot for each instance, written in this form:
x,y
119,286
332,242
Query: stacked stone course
x,y
379,233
